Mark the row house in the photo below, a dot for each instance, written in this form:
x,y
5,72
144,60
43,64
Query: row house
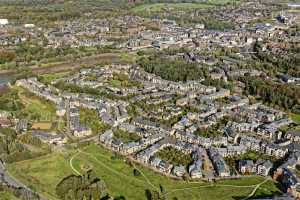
x,y
219,164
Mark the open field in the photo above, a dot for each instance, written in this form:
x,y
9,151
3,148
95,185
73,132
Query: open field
x,y
169,6
42,174
7,196
35,108
157,7
264,190
221,2
128,57
295,118
74,64
47,78
120,179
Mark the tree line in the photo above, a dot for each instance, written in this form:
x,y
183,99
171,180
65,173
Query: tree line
x,y
12,148
287,64
87,186
173,70
286,96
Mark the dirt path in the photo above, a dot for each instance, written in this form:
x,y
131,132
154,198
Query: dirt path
x,y
146,178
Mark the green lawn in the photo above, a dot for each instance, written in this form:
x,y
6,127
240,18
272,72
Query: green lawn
x,y
128,57
267,189
47,78
7,196
295,117
174,156
221,2
35,108
125,136
44,173
115,83
122,80
90,118
157,7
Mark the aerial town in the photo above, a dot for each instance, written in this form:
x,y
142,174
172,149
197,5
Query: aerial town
x,y
161,101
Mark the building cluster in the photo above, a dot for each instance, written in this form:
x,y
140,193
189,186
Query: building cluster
x,y
132,32
208,124
174,114
242,127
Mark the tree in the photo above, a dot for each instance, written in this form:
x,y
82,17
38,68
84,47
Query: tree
x,y
286,96
9,139
174,70
120,198
136,172
81,187
154,195
148,194
6,56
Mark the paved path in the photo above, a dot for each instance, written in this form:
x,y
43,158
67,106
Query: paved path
x,y
71,164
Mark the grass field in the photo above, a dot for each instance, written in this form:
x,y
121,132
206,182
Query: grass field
x,y
128,57
47,78
38,110
90,118
295,118
126,136
264,190
7,196
44,173
157,7
35,108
